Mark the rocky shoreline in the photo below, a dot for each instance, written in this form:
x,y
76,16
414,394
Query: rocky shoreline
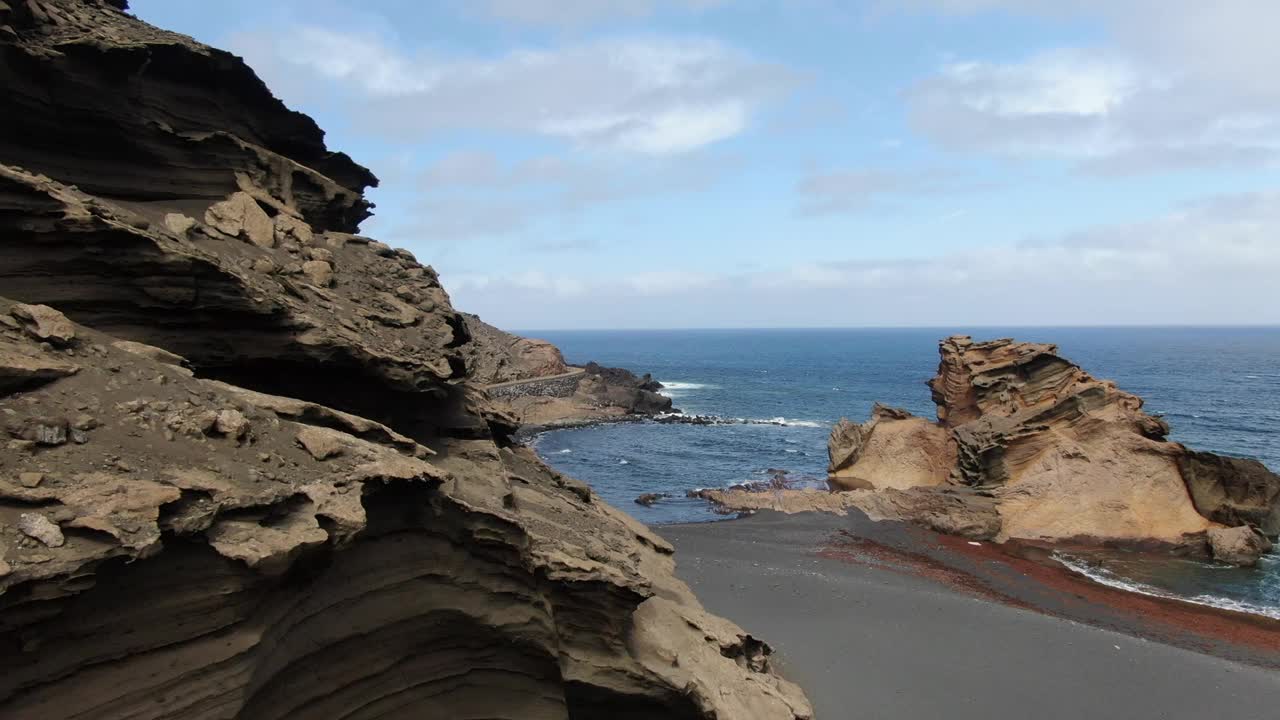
x,y
1028,447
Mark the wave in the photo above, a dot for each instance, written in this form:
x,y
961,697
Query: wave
x,y
785,422
682,419
1103,576
565,451
676,388
624,462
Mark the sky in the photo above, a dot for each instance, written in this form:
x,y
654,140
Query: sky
x,y
800,163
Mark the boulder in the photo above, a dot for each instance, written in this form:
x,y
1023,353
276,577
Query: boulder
x,y
241,216
292,229
321,443
1238,545
892,450
45,323
318,272
178,223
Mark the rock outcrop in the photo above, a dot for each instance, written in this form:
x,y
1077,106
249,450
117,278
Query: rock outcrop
x,y
237,484
529,379
1066,457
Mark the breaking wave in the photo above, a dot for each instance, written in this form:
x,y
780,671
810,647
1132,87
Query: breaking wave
x,y
1103,576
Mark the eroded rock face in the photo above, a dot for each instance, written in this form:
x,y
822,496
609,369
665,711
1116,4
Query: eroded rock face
x,y
279,495
1064,455
892,450
121,109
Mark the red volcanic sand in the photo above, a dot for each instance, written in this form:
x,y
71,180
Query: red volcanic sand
x,y
1004,573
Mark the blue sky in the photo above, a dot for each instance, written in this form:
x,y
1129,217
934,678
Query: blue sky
x,y
763,163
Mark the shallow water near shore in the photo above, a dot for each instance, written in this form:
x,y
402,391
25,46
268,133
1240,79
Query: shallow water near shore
x,y
781,390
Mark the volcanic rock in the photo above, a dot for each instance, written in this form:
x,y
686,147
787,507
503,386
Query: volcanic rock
x,y
39,527
199,577
45,323
1238,545
1065,456
892,450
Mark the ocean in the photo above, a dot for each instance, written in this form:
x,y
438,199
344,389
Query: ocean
x,y
781,390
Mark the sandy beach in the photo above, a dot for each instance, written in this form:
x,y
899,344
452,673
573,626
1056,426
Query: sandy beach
x,y
883,621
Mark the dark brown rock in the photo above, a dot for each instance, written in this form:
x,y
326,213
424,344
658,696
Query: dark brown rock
x,y
204,577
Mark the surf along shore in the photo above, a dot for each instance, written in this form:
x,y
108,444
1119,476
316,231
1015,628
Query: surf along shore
x,y
890,620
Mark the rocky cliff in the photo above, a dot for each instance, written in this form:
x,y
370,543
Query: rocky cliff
x,y
247,473
1066,457
529,379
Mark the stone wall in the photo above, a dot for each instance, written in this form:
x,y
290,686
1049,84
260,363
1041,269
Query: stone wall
x,y
560,386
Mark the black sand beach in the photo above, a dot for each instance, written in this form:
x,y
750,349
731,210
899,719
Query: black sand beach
x,y
882,621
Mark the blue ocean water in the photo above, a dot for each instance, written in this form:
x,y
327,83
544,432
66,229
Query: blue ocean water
x,y
1219,388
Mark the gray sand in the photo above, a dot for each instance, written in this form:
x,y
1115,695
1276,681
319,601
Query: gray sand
x,y
873,643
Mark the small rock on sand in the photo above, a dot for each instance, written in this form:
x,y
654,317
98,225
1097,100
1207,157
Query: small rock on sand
x,y
322,444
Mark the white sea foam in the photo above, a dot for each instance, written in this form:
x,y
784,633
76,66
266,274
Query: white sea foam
x,y
678,388
1102,576
565,451
624,462
786,422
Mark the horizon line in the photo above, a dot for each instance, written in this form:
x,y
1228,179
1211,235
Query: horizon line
x,y
1165,326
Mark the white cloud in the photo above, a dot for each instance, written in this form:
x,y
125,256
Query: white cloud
x,y
856,190
578,13
1177,83
648,95
476,194
1212,262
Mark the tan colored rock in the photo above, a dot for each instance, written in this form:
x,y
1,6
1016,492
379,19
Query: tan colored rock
x,y
265,542
231,422
38,527
5,568
241,216
321,443
178,223
892,450
45,323
150,352
319,253
318,272
1065,456
291,229
25,368
30,479
1241,546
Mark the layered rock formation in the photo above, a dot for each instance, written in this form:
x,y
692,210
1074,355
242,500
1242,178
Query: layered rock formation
x,y
495,356
529,379
246,471
1066,457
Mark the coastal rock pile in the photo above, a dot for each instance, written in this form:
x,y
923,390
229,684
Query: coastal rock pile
x,y
1028,446
1066,457
247,473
